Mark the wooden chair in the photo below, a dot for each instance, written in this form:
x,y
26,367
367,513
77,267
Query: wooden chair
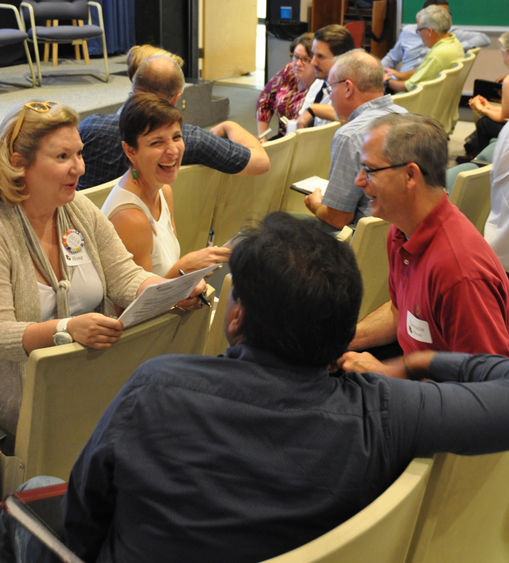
x,y
98,194
195,195
411,101
471,194
67,388
369,244
381,533
216,340
244,200
311,157
464,513
357,29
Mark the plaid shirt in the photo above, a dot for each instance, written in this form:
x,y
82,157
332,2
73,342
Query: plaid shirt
x,y
105,160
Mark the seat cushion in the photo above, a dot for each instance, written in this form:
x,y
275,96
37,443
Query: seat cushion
x,y
11,36
65,33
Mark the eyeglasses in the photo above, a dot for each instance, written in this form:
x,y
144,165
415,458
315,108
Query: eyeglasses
x,y
338,82
370,171
39,107
419,29
303,60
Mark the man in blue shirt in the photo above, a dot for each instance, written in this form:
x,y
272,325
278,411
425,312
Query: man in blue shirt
x,y
244,456
409,50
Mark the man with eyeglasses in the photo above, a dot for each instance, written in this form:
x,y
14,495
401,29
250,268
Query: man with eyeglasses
x,y
356,81
433,25
448,289
329,42
409,50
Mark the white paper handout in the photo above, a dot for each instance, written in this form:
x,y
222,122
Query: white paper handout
x,y
160,298
309,185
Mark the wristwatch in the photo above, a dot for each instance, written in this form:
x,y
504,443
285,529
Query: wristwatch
x,y
61,335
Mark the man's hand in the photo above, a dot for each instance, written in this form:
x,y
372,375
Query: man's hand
x,y
361,362
314,200
304,119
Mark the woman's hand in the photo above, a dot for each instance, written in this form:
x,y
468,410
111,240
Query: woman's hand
x,y
202,258
478,103
94,330
193,301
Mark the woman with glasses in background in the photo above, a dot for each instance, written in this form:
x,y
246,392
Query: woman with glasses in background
x,y
62,265
285,92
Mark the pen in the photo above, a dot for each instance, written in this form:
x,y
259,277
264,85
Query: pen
x,y
201,297
264,134
210,240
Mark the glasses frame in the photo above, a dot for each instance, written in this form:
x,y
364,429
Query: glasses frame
x,y
303,60
39,107
331,84
419,29
369,171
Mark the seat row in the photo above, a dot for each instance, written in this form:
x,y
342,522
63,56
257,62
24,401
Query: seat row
x,y
439,98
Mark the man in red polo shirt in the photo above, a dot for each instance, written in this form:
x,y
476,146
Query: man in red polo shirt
x,y
448,289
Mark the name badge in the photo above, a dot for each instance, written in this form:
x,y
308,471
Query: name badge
x,y
73,247
418,329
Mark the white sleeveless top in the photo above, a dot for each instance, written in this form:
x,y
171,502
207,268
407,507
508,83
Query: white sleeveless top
x,y
85,294
165,246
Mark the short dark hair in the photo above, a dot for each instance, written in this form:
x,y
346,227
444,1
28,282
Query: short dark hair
x,y
300,288
338,38
144,112
437,2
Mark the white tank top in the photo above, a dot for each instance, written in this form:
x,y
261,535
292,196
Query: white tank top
x,y
85,293
165,245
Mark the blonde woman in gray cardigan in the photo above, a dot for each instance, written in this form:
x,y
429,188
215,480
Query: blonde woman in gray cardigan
x,y
62,265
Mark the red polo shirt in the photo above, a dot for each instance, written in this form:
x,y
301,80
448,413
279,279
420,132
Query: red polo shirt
x,y
449,287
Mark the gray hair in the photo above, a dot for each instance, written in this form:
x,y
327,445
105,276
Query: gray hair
x,y
436,17
504,40
363,69
159,75
415,138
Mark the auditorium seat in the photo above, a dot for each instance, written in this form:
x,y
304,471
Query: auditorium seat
x,y
381,533
471,194
370,249
244,200
68,387
465,510
98,194
311,157
411,101
195,195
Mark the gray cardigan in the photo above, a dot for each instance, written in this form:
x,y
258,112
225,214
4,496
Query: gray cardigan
x,y
19,294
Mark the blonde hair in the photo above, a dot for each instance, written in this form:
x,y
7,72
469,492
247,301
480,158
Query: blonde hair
x,y
140,53
34,127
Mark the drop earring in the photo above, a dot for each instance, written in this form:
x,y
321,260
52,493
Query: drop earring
x,y
135,174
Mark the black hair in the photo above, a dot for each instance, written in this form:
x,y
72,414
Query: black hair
x,y
300,288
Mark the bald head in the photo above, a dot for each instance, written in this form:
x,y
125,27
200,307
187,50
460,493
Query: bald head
x,y
159,75
363,69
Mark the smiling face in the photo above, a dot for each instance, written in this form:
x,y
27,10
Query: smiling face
x,y
158,155
52,177
386,188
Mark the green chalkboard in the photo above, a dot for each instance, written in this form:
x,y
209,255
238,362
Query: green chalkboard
x,y
466,12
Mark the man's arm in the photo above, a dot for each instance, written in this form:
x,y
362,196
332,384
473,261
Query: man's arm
x,y
397,85
470,39
341,198
323,111
378,328
329,215
259,161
